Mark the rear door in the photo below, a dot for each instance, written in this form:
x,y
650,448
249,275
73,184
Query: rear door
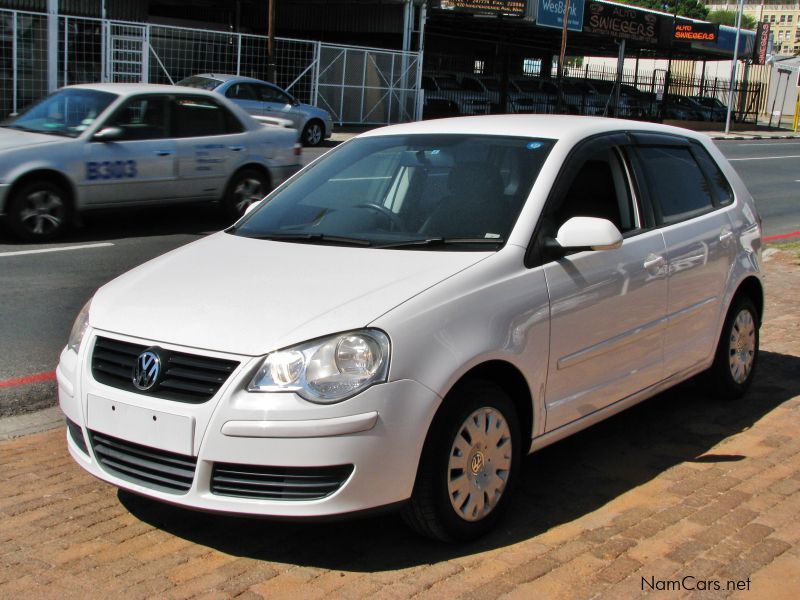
x,y
700,244
245,95
211,144
607,307
139,167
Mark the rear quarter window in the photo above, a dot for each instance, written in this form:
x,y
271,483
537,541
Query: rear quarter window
x,y
677,184
719,184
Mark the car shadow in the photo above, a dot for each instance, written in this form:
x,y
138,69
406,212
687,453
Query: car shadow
x,y
559,484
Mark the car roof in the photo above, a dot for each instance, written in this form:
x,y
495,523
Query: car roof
x,y
128,89
225,77
569,128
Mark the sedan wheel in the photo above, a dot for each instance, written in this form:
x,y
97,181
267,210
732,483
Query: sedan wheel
x,y
480,462
736,356
468,465
312,134
247,187
39,212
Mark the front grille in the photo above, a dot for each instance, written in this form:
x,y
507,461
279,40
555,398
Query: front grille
x,y
150,467
77,435
277,483
185,377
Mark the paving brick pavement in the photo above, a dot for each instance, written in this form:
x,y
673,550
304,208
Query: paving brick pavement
x,y
678,489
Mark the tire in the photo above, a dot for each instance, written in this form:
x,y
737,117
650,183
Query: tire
x,y
39,211
444,504
313,133
246,187
736,357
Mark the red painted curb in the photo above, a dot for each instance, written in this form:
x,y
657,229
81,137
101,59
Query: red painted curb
x,y
49,376
783,236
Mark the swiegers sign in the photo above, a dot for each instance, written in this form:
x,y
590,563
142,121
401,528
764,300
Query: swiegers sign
x,y
620,22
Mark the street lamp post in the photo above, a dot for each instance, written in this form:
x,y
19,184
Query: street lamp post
x,y
668,77
271,41
733,67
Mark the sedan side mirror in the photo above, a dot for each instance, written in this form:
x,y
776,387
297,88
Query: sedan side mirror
x,y
589,233
108,134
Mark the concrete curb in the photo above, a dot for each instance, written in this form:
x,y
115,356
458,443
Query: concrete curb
x,y
34,422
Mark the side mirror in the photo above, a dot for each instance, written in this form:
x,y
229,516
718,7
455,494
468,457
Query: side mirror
x,y
108,134
589,233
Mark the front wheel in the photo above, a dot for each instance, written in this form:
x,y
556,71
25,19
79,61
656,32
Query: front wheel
x,y
736,357
313,133
247,187
39,211
468,465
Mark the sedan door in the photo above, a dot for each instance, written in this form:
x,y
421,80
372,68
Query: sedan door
x,y
245,95
211,144
700,245
607,307
278,104
137,167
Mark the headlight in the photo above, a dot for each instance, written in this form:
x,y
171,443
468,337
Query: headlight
x,y
79,328
326,370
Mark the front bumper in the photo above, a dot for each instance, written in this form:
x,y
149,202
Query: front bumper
x,y
380,433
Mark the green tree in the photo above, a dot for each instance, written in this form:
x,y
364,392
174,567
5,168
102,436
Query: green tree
x,y
687,8
728,17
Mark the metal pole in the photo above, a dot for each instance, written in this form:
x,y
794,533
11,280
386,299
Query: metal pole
x,y
423,15
561,55
733,67
618,83
271,41
14,68
52,45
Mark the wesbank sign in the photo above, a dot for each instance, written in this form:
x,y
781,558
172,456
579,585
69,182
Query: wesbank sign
x,y
550,13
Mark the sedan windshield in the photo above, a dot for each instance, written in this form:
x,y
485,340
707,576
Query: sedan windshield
x,y
441,192
68,112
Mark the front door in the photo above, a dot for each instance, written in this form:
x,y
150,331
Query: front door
x,y
279,104
607,307
140,166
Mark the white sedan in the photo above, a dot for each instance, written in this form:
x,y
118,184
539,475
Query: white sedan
x,y
110,145
408,317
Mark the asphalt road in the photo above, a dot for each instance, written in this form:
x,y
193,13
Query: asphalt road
x,y
42,287
771,170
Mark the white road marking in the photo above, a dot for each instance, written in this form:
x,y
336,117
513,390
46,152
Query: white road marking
x,y
769,144
764,157
60,249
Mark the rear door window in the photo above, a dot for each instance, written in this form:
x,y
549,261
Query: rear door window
x,y
678,186
199,117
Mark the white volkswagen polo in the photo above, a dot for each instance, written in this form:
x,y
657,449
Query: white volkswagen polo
x,y
401,322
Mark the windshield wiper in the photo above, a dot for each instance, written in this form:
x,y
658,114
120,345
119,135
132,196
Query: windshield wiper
x,y
31,130
442,241
312,238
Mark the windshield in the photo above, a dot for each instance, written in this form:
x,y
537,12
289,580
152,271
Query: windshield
x,y
203,83
461,192
68,112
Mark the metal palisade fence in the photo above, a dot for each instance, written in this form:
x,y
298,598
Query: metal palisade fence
x,y
39,52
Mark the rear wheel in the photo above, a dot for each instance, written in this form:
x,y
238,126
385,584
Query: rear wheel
x,y
313,133
246,187
736,357
39,211
468,466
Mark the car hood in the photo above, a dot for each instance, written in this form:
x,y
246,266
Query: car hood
x,y
244,296
13,139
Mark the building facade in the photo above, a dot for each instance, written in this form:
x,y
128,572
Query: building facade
x,y
783,17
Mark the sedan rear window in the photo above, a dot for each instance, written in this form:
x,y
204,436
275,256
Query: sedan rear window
x,y
442,191
203,83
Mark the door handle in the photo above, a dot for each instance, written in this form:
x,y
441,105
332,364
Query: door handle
x,y
725,236
653,262
163,152
236,148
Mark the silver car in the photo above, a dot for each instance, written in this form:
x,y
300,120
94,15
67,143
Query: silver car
x,y
264,99
109,145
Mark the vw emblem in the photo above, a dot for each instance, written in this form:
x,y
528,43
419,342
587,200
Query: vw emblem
x,y
146,370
